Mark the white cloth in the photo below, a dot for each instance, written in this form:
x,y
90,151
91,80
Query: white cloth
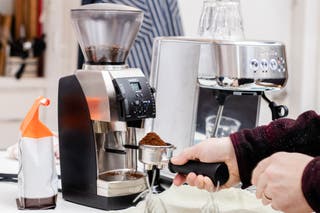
x,y
189,199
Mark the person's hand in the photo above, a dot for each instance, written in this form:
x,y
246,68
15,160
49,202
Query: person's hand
x,y
278,181
209,151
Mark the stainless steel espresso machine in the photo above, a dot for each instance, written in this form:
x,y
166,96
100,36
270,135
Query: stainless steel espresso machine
x,y
181,66
99,109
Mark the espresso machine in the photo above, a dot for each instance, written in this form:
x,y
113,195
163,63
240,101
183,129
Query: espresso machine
x,y
99,109
227,68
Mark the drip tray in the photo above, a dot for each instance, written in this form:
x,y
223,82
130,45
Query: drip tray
x,y
121,182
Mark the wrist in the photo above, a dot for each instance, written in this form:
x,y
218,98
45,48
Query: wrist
x,y
230,148
225,147
231,161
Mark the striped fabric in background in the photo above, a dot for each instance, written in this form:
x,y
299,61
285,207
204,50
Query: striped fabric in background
x,y
161,18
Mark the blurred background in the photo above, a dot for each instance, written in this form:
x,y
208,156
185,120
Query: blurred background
x,y
38,46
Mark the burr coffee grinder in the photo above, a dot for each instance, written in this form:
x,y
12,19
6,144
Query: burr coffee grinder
x,y
99,109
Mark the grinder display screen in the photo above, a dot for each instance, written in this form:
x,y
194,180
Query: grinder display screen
x,y
135,86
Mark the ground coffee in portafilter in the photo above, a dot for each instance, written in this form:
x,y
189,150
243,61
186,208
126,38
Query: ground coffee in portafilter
x,y
101,55
152,139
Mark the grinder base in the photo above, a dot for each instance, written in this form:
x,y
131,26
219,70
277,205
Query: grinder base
x,y
100,202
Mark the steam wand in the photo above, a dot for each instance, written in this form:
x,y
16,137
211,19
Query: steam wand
x,y
221,98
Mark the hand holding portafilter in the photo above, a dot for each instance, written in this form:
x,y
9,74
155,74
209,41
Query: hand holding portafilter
x,y
216,161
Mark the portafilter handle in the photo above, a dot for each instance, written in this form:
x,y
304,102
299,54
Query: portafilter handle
x,y
215,171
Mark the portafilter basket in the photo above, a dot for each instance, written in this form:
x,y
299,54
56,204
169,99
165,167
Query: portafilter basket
x,y
160,156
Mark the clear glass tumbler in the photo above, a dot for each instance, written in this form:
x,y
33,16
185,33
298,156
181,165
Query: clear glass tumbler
x,y
221,20
226,127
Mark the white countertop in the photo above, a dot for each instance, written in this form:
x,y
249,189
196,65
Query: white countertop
x,y
9,192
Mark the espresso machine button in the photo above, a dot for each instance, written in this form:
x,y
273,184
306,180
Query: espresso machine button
x,y
254,64
273,64
281,61
264,65
281,68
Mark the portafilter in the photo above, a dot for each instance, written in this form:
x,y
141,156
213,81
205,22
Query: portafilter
x,y
159,157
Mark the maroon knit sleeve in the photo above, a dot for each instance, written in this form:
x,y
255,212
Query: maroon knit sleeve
x,y
311,184
251,146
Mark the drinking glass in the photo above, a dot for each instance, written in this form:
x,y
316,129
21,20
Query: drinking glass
x,y
221,20
226,127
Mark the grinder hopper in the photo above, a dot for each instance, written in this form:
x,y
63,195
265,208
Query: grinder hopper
x,y
106,32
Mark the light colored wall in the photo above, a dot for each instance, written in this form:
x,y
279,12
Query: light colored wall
x,y
305,87
61,54
6,7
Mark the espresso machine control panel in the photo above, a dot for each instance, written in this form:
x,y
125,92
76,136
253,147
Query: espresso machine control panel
x,y
135,98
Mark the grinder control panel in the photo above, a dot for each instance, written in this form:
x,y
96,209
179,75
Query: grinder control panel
x,y
135,98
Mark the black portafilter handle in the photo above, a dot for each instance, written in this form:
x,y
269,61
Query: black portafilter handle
x,y
215,171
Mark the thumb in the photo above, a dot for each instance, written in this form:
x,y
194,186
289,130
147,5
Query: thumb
x,y
190,153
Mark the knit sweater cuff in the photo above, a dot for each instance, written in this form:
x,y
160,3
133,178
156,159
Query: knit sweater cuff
x,y
311,183
245,153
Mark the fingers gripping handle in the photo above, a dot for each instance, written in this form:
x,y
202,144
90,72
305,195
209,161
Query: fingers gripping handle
x,y
215,171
